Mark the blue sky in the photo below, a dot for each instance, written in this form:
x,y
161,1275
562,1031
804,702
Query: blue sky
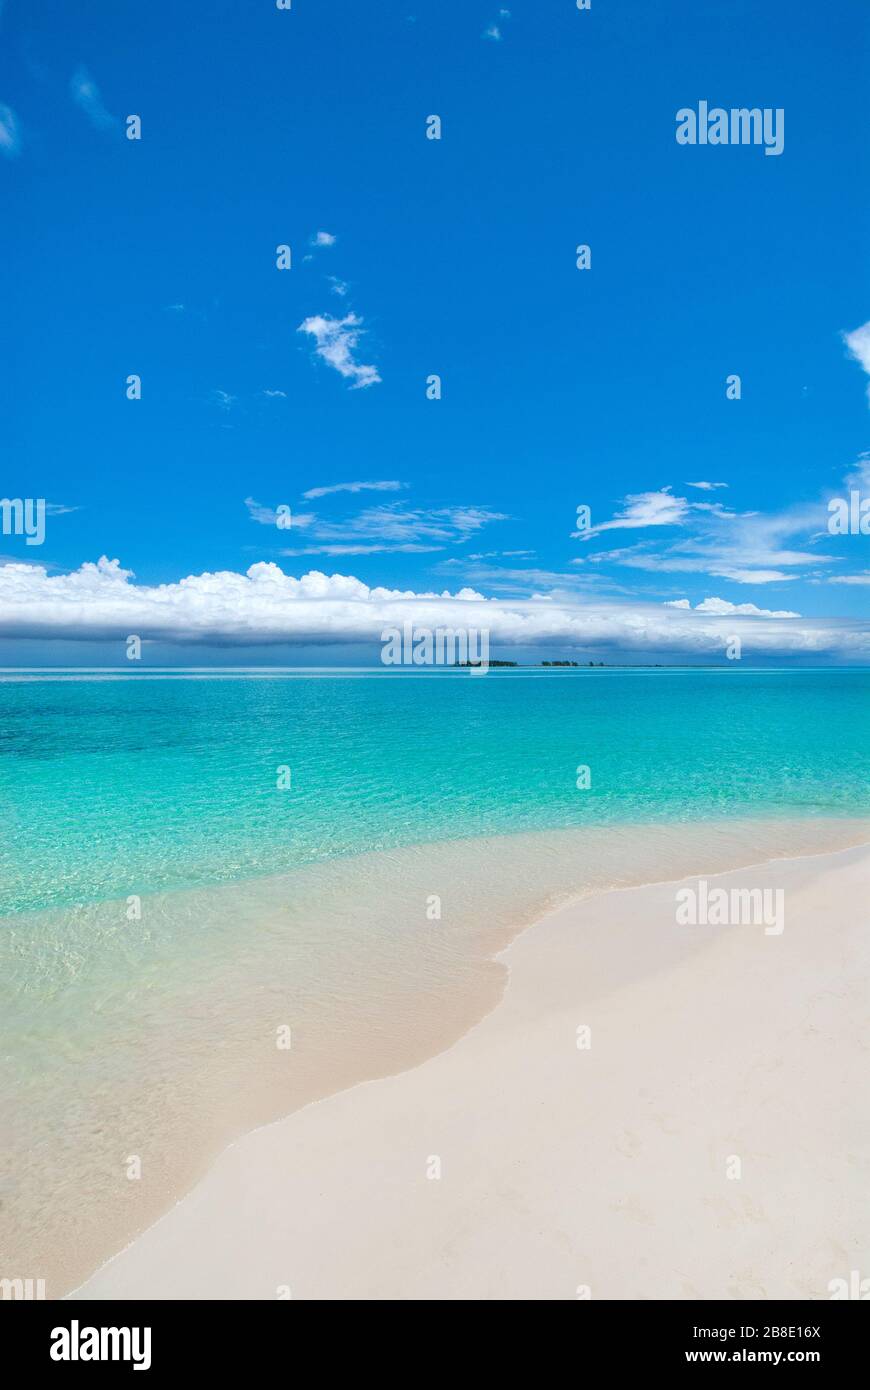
x,y
560,387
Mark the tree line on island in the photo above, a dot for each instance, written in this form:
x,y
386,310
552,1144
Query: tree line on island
x,y
534,663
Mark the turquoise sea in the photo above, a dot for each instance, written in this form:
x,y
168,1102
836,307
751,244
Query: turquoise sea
x,y
110,787
150,1030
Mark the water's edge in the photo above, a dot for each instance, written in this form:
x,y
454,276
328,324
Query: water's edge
x,y
454,990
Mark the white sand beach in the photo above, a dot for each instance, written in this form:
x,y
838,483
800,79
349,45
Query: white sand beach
x,y
712,1141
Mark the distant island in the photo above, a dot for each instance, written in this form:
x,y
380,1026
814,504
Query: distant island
x,y
534,665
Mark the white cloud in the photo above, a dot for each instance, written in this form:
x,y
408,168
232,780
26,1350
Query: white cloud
x,y
858,343
753,576
398,524
268,516
339,287
389,486
501,554
282,394
723,607
10,132
745,547
527,581
860,474
493,31
706,487
101,602
86,94
336,341
643,509
694,557
389,527
407,549
223,399
851,578
323,239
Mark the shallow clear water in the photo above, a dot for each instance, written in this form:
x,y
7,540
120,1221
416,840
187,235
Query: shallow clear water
x,y
307,908
132,785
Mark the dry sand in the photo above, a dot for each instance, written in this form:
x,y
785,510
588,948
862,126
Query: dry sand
x,y
613,1168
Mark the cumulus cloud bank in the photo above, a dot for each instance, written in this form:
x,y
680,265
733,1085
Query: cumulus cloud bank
x,y
724,606
265,606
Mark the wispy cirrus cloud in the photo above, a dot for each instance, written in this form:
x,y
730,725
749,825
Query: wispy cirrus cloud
x,y
10,132
742,559
858,343
501,554
745,547
529,581
642,509
268,516
389,528
493,31
396,522
859,476
336,341
394,527
386,486
374,549
86,95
